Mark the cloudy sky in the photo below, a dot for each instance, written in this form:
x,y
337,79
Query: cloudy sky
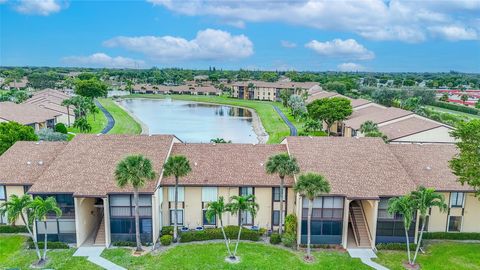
x,y
317,35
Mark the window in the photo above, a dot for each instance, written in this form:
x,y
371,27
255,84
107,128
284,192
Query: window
x,y
146,225
325,207
179,216
3,219
246,191
276,194
209,194
276,218
2,193
171,194
66,226
456,199
207,221
124,205
246,218
454,224
382,209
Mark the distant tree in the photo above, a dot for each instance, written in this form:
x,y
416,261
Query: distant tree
x,y
11,132
330,110
464,98
269,76
86,76
82,124
405,207
444,97
220,140
92,88
285,96
368,126
477,105
466,164
135,171
384,96
336,86
297,106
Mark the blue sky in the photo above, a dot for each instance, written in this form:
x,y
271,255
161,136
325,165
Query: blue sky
x,y
315,35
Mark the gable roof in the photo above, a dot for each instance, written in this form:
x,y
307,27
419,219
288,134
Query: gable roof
x,y
355,167
376,114
24,162
227,165
25,113
406,127
87,164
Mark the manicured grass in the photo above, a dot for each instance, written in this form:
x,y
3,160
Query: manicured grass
x,y
444,255
271,121
212,256
14,255
97,125
466,115
124,123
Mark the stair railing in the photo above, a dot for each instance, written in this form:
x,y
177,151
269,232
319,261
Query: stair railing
x,y
97,227
366,223
356,234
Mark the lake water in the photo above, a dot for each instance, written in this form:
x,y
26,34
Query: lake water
x,y
192,121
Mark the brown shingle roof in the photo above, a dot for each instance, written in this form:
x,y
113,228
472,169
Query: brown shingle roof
x,y
86,166
227,165
25,113
359,102
427,165
320,95
304,85
355,167
376,114
406,127
24,162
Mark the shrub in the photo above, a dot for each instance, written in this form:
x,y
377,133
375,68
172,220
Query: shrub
x,y
275,239
451,235
61,128
456,107
289,240
395,246
291,224
166,240
12,229
46,134
50,245
167,230
124,244
230,231
323,246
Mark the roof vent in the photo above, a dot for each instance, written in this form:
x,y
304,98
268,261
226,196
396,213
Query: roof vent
x,y
28,162
310,137
214,143
98,135
195,163
428,168
261,164
40,162
37,143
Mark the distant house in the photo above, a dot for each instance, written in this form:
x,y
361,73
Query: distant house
x,y
19,85
50,99
261,90
191,89
28,115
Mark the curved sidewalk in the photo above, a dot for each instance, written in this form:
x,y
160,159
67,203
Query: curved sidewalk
x,y
111,121
293,129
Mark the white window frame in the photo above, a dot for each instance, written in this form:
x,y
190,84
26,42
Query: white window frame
x,y
209,194
461,223
457,194
183,216
181,194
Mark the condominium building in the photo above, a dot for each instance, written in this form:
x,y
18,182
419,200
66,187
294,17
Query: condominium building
x,y
261,90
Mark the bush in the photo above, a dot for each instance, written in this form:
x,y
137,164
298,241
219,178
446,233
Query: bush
x,y
456,107
289,240
394,246
13,229
124,244
50,245
46,134
230,231
61,128
166,240
323,246
275,239
451,235
167,230
291,224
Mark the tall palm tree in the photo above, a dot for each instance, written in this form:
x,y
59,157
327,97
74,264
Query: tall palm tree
x,y
311,185
404,206
135,170
217,209
178,166
17,207
424,199
67,103
82,124
239,205
41,208
283,165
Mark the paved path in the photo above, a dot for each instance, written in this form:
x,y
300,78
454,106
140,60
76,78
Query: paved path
x,y
366,255
111,121
93,255
293,129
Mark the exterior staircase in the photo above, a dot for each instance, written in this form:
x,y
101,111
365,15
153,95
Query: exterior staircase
x,y
359,226
100,236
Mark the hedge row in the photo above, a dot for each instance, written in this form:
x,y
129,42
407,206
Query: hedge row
x,y
124,244
456,107
451,235
13,229
210,234
50,245
395,246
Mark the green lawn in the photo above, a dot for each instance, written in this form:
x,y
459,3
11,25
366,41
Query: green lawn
x,y
14,255
212,256
466,115
97,125
124,123
271,121
439,256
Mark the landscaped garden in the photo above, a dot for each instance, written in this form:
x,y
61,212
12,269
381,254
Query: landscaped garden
x,y
97,121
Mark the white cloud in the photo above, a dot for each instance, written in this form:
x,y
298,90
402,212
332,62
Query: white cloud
x,y
38,7
403,20
348,67
288,44
348,49
209,44
455,33
103,60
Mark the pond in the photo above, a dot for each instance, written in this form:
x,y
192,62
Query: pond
x,y
193,121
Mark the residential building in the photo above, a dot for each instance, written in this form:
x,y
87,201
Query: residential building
x,y
51,99
260,90
28,115
176,89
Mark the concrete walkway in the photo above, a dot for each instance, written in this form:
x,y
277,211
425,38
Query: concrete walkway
x,y
293,129
93,255
366,255
111,121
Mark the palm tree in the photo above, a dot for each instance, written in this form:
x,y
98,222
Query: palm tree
x,y
67,103
219,140
283,165
17,207
217,209
41,208
239,205
311,185
82,124
178,166
92,108
404,206
135,170
424,199
368,127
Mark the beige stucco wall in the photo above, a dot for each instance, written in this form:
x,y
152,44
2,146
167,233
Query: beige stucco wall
x,y
348,132
437,135
370,208
438,220
263,196
64,119
86,217
193,207
156,214
227,192
471,217
15,190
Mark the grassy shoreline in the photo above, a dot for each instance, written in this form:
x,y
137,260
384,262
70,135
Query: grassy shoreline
x,y
124,123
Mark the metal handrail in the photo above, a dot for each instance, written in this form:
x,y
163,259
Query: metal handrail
x,y
366,223
354,226
98,226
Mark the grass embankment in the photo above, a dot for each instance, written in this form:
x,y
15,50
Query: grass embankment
x,y
212,256
13,255
465,115
271,121
98,123
445,255
124,123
